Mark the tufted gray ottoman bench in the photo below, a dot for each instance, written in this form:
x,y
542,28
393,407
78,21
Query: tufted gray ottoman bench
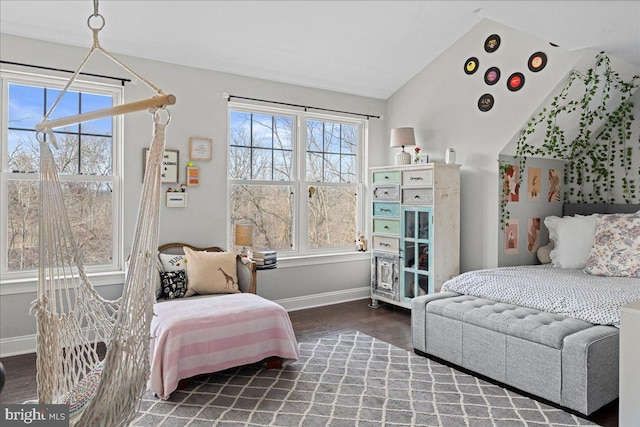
x,y
564,360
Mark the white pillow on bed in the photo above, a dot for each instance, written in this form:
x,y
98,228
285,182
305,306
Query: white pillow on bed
x,y
573,238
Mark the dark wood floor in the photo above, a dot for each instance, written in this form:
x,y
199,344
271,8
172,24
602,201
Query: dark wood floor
x,y
387,323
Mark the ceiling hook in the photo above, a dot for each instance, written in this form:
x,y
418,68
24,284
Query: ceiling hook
x,y
99,22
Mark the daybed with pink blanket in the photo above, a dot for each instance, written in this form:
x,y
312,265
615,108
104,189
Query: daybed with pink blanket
x,y
199,334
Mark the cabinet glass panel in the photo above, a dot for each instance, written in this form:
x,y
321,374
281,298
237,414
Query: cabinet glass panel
x,y
409,224
423,256
423,284
423,228
416,248
409,254
408,289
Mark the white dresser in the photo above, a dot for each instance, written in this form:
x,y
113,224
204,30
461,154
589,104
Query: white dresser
x,y
415,224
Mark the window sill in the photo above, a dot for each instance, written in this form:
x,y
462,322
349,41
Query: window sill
x,y
318,259
30,285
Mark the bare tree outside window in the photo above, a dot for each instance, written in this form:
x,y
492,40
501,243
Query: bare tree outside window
x,y
264,183
84,162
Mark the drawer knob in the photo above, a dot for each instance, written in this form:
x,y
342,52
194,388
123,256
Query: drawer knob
x,y
386,227
417,196
385,210
415,178
385,244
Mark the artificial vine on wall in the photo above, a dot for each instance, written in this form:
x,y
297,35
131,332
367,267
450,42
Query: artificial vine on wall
x,y
504,199
601,155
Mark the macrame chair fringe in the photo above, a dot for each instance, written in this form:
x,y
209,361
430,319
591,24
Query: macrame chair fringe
x,y
72,317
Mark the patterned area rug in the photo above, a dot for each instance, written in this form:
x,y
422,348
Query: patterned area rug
x,y
349,380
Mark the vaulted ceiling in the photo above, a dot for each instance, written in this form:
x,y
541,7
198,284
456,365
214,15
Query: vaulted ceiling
x,y
368,48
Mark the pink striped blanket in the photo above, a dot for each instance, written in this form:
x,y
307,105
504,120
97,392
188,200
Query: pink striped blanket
x,y
193,336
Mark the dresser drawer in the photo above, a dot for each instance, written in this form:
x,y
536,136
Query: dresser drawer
x,y
386,226
386,192
419,177
390,177
387,244
417,196
387,210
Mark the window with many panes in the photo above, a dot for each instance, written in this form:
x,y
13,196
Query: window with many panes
x,y
296,177
87,166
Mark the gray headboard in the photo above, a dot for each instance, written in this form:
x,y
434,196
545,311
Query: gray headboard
x,y
601,208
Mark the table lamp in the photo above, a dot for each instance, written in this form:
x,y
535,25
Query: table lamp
x,y
402,137
244,237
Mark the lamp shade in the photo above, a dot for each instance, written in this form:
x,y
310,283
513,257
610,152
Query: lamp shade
x,y
244,235
402,137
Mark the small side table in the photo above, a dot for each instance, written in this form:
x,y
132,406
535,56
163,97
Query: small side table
x,y
629,412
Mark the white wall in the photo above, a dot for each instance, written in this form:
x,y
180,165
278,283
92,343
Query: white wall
x,y
440,102
200,111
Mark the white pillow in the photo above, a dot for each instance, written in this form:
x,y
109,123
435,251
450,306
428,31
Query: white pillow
x,y
172,262
572,237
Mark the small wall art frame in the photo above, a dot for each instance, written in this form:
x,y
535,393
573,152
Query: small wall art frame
x,y
200,148
176,199
193,175
170,164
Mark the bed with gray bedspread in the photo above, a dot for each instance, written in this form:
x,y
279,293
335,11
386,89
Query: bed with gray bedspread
x,y
551,332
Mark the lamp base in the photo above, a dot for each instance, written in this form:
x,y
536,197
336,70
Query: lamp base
x,y
403,158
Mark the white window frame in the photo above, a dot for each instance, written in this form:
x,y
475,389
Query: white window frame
x,y
104,274
299,183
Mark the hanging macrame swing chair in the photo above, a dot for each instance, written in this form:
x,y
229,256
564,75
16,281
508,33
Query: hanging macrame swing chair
x,y
72,317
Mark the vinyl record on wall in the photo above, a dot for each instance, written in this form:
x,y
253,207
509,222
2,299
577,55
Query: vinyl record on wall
x,y
492,43
515,82
485,103
471,65
492,75
537,61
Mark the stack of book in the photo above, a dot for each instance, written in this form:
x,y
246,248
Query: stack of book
x,y
265,259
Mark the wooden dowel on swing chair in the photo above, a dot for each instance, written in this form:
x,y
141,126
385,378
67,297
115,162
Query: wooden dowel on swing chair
x,y
156,101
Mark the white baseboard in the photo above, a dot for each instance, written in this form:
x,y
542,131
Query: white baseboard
x,y
17,345
27,343
326,298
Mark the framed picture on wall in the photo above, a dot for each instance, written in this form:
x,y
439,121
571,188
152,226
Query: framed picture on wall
x,y
200,148
555,186
193,175
534,184
533,234
176,199
511,232
170,163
